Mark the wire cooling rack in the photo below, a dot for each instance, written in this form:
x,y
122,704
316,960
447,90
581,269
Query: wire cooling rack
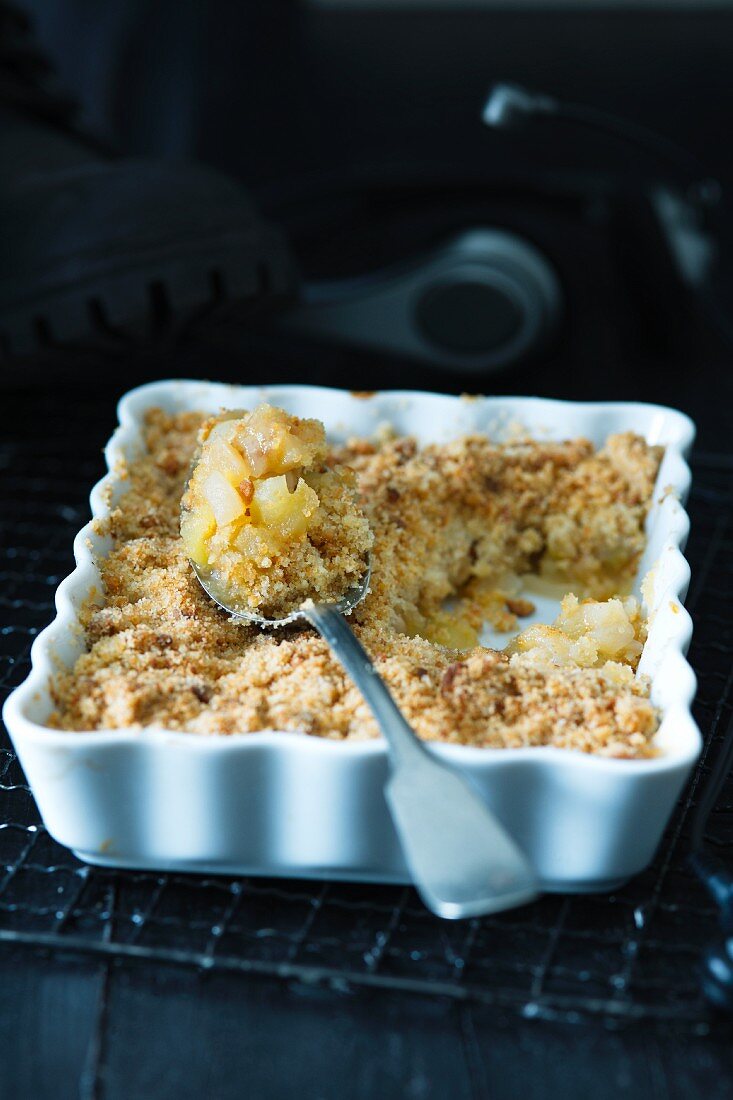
x,y
628,956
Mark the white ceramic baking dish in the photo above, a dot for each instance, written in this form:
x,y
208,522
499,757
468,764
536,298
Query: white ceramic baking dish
x,y
277,803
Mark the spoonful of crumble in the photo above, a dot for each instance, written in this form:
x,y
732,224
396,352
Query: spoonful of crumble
x,y
276,535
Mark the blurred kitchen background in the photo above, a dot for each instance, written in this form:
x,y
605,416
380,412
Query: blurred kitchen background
x,y
357,128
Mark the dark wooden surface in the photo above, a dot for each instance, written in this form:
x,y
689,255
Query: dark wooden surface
x,y
71,1027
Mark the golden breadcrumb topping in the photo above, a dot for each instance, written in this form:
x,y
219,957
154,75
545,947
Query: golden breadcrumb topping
x,y
461,520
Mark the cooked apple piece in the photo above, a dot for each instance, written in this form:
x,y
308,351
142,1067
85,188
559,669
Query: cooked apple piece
x,y
271,441
587,634
223,499
222,456
284,512
196,530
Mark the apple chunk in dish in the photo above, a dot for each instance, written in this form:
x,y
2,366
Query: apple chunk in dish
x,y
266,518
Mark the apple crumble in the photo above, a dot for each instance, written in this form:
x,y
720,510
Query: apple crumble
x,y
454,527
266,520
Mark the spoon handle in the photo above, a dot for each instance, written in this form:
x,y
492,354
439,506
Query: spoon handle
x,y
461,859
334,629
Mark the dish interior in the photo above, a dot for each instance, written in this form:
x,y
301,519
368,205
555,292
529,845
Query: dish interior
x,y
435,419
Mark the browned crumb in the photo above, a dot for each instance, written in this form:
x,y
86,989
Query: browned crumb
x,y
519,607
465,513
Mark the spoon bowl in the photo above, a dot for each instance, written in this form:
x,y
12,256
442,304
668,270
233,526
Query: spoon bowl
x,y
344,606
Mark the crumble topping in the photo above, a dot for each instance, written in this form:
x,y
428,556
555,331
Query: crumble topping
x,y
461,520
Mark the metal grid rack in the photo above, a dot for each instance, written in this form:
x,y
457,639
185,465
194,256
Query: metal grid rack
x,y
629,956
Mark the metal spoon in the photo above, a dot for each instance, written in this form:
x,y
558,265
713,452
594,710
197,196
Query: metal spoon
x,y
462,861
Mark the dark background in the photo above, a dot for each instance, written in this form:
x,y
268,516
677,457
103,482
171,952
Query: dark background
x,y
359,131
274,92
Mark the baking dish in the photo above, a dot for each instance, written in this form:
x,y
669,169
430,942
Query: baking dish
x,y
276,803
